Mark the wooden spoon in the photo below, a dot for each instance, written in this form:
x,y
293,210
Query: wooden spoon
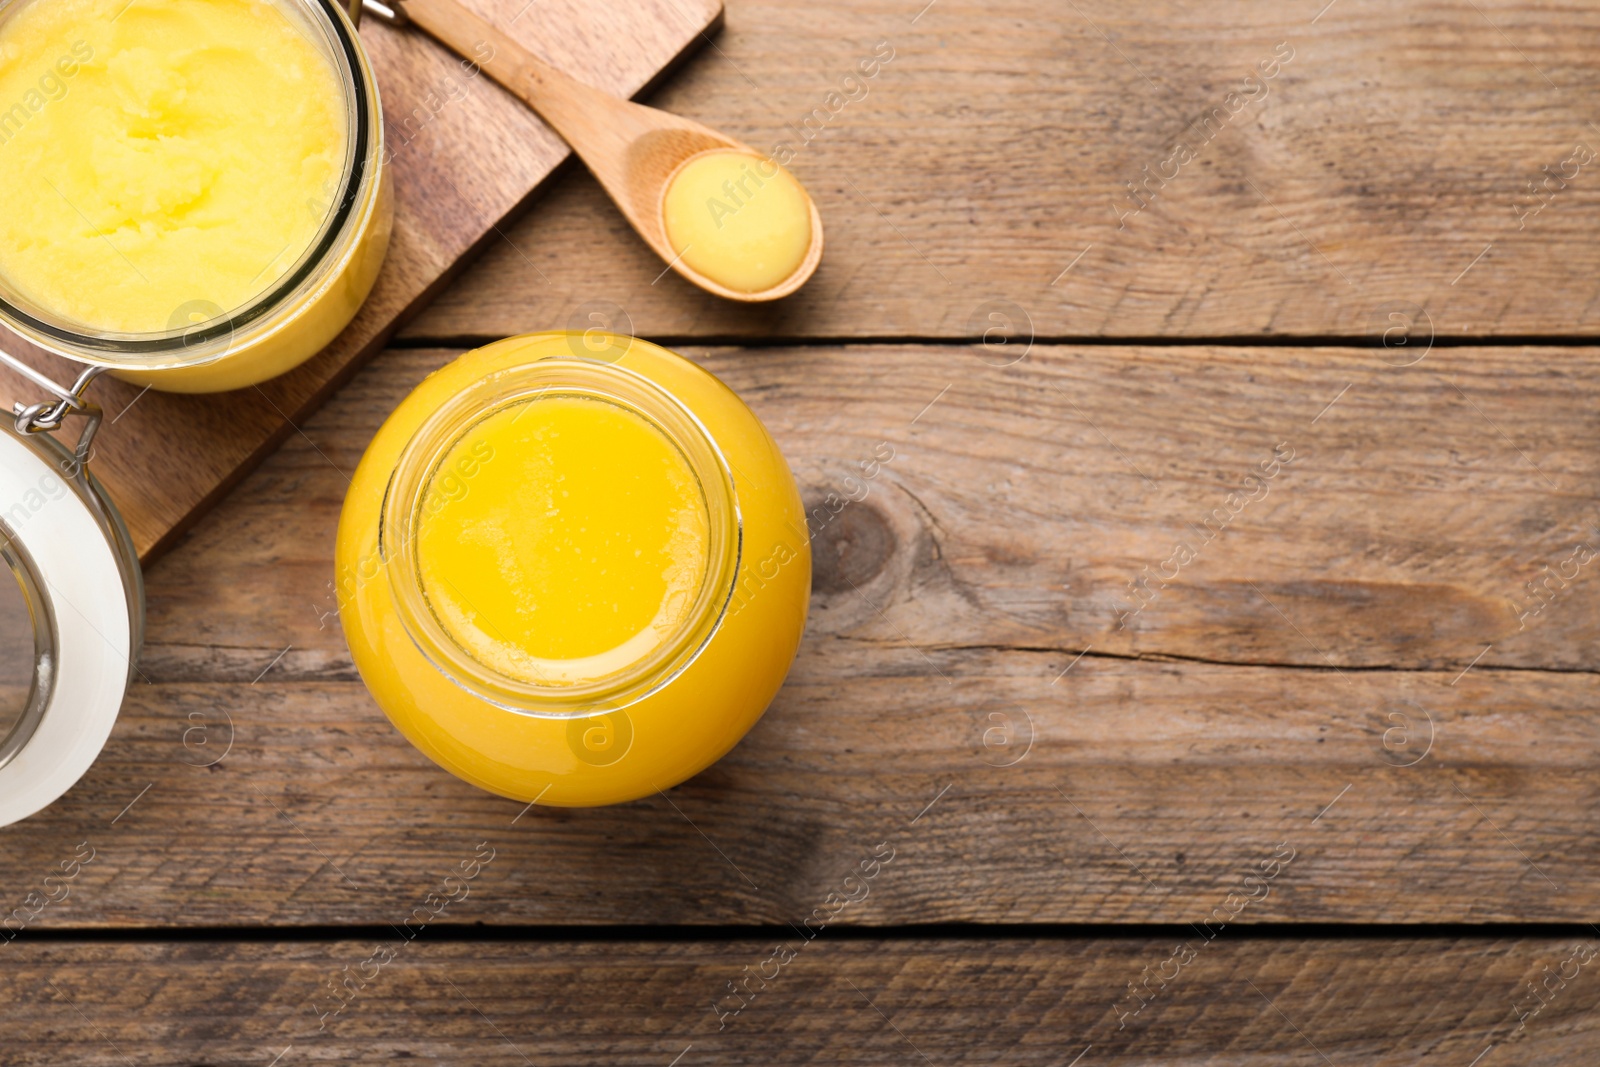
x,y
634,150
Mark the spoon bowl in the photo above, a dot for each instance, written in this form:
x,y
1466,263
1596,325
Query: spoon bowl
x,y
654,161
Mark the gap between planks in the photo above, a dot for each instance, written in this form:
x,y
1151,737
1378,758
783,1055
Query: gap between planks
x,y
467,342
462,933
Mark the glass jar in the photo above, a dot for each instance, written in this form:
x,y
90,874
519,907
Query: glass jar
x,y
72,599
206,348
592,729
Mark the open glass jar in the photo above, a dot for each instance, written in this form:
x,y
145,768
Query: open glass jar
x,y
299,303
573,568
71,596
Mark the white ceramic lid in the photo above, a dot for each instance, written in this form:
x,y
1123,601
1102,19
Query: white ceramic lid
x,y
72,556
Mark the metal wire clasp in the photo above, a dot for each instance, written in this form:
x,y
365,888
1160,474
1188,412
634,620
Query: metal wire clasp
x,y
390,12
48,416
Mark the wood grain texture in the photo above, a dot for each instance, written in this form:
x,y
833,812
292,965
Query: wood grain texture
x,y
1392,150
466,157
1239,1002
1316,678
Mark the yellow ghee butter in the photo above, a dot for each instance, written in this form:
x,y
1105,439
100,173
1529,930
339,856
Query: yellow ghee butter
x,y
566,539
195,194
159,153
739,219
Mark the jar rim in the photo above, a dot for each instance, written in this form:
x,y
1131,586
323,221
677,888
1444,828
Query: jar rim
x,y
407,492
18,561
214,338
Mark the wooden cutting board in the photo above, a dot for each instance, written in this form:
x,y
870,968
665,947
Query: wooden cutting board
x,y
466,157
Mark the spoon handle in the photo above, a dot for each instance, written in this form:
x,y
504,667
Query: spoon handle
x,y
596,124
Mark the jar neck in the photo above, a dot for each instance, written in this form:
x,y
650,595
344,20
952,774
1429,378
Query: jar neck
x,y
420,486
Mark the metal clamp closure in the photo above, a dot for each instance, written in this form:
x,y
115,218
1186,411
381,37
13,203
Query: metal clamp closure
x,y
48,416
389,13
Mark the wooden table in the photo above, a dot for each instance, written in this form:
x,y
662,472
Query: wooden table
x,y
1209,678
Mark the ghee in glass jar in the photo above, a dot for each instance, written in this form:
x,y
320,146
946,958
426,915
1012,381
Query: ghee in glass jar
x,y
573,579
193,187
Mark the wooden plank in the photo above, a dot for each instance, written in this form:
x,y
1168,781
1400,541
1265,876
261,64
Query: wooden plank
x,y
1149,794
466,157
1391,151
1318,677
1026,500
1235,1002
